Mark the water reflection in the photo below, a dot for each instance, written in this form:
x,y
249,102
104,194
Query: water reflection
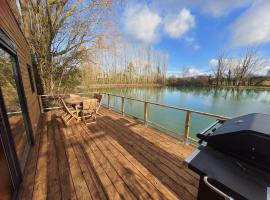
x,y
160,94
224,101
226,93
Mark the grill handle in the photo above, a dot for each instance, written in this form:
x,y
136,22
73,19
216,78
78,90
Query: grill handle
x,y
202,136
226,197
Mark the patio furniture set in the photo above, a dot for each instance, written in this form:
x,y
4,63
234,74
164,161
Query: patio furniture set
x,y
80,108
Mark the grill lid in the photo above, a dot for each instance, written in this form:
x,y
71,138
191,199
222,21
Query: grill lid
x,y
247,138
256,123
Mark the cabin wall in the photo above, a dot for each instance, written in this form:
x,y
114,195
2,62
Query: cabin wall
x,y
9,24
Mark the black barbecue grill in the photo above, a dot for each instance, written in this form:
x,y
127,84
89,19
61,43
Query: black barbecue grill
x,y
233,159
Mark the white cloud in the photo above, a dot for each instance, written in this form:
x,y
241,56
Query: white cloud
x,y
177,25
141,23
196,46
219,8
175,73
213,62
215,8
191,42
265,69
228,62
253,26
190,71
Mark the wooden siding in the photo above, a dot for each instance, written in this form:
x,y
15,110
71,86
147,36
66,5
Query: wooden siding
x,y
9,24
115,158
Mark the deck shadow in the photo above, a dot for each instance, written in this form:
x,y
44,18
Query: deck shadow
x,y
58,167
115,143
157,160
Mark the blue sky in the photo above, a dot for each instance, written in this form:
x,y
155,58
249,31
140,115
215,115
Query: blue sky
x,y
194,32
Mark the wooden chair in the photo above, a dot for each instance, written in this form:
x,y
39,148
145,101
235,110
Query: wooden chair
x,y
99,100
88,111
69,114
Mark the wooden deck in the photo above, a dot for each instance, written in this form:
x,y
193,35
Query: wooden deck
x,y
116,158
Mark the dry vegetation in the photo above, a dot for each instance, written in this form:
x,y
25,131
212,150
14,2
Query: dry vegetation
x,y
59,34
230,72
115,61
77,43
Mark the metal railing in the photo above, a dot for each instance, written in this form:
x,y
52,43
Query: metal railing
x,y
186,136
48,103
51,102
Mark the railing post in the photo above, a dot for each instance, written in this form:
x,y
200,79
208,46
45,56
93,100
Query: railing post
x,y
109,101
187,126
145,113
123,101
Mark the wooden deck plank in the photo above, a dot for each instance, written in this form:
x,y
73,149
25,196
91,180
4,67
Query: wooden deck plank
x,y
109,170
124,174
134,179
144,171
168,143
119,184
91,179
40,187
161,156
115,158
146,133
26,190
54,189
152,163
152,135
66,182
109,188
102,183
80,185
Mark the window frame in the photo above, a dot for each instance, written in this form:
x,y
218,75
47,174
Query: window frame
x,y
31,78
9,46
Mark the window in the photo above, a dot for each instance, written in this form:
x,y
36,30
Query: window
x,y
31,78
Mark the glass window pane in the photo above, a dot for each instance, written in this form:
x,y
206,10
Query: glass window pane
x,y
6,188
13,106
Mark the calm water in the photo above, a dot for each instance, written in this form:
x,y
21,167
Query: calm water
x,y
229,102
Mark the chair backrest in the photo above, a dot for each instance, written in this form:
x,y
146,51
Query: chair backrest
x,y
74,95
64,106
99,100
89,104
98,97
66,109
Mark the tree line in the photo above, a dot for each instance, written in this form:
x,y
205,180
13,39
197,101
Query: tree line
x,y
234,72
76,43
117,61
238,71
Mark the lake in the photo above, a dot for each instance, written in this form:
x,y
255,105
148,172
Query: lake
x,y
228,102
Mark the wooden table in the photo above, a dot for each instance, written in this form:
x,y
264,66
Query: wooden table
x,y
75,100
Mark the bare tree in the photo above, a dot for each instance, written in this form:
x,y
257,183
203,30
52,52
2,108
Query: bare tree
x,y
125,62
59,34
220,69
247,64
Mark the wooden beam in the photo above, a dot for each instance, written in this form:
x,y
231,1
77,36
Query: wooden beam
x,y
187,126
